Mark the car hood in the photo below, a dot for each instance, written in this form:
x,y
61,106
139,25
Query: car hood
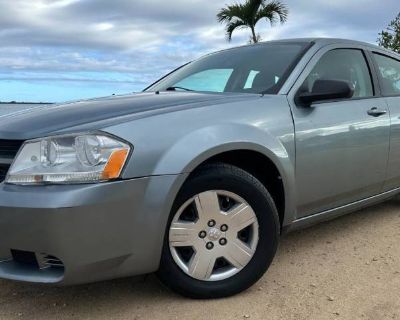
x,y
99,113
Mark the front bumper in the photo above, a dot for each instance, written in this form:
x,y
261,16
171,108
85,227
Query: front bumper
x,y
94,232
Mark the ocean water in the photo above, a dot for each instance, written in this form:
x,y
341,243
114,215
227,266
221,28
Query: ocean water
x,y
11,108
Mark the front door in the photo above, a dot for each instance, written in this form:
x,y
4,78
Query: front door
x,y
341,146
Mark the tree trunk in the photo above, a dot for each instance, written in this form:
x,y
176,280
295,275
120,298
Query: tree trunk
x,y
253,32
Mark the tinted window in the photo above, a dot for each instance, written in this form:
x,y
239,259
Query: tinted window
x,y
389,73
214,80
346,65
250,79
252,69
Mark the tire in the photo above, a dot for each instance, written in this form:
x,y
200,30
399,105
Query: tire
x,y
224,279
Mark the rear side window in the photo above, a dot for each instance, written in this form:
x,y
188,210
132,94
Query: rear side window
x,y
389,74
346,65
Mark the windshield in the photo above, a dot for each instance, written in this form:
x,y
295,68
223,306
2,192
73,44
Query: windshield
x,y
259,68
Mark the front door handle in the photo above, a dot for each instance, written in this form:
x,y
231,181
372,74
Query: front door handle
x,y
376,112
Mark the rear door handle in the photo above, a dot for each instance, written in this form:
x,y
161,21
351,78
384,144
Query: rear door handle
x,y
376,112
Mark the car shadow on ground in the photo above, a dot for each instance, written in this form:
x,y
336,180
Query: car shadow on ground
x,y
138,294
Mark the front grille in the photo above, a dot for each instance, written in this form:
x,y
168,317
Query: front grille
x,y
8,151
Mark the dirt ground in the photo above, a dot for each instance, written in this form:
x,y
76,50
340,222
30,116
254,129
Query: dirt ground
x,y
348,268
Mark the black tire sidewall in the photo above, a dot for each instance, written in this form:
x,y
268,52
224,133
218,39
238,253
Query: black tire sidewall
x,y
232,179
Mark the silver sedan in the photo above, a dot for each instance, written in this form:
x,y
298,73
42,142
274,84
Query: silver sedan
x,y
197,177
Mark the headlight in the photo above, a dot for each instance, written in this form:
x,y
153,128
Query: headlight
x,y
82,158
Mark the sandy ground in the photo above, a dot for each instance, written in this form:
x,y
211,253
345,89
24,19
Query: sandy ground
x,y
348,268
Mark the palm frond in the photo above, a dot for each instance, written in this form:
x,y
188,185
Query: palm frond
x,y
252,7
249,13
274,11
232,26
230,12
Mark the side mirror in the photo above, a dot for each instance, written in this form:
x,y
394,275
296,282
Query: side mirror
x,y
325,90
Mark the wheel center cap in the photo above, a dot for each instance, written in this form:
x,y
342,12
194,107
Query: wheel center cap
x,y
214,234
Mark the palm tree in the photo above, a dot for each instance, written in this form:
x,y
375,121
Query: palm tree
x,y
247,15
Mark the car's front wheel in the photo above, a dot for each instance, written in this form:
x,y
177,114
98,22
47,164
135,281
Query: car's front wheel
x,y
222,234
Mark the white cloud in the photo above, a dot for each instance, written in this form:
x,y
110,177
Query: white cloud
x,y
146,38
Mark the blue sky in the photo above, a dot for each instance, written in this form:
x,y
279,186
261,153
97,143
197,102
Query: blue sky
x,y
59,50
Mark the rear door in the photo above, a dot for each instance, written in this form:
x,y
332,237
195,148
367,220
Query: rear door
x,y
341,146
388,69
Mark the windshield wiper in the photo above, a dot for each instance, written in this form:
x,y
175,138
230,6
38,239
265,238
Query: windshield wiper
x,y
179,88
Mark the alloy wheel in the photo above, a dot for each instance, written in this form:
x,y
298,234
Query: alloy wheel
x,y
213,235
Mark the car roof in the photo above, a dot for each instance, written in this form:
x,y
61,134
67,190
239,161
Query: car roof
x,y
322,42
328,41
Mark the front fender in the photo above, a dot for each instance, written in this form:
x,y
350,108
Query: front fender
x,y
178,142
200,145
191,150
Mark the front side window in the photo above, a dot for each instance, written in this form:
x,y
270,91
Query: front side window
x,y
253,69
389,74
346,65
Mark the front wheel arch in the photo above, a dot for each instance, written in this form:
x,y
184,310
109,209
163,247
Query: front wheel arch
x,y
236,180
258,165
